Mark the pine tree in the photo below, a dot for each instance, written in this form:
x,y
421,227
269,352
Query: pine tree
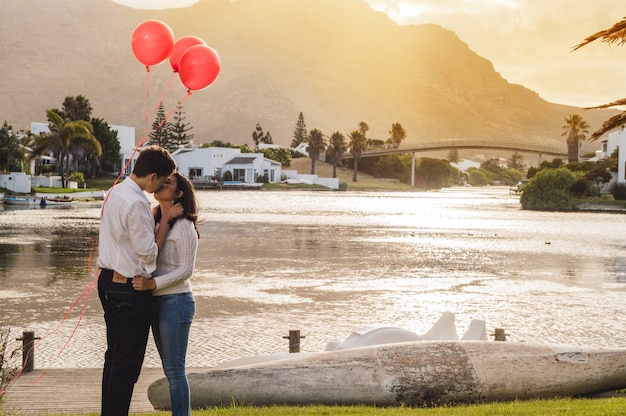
x,y
161,129
180,137
267,139
257,135
299,133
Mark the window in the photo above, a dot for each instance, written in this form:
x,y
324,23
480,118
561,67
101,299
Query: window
x,y
195,172
129,166
239,175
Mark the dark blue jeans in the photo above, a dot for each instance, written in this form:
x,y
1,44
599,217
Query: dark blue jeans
x,y
127,314
172,316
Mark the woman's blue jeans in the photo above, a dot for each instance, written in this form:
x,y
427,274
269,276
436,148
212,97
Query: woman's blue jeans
x,y
171,321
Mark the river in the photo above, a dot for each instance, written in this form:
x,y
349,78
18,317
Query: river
x,y
327,263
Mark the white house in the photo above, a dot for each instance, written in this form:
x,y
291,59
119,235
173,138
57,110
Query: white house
x,y
15,182
128,155
125,135
303,148
204,163
614,140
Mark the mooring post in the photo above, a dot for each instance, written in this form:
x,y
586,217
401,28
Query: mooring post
x,y
28,350
500,334
294,340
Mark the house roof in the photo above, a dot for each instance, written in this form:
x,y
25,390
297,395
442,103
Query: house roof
x,y
241,160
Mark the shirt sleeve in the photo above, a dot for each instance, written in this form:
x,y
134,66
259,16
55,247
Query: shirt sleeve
x,y
140,224
179,253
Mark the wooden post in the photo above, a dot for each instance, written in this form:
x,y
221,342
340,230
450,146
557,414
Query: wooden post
x,y
500,334
294,340
28,350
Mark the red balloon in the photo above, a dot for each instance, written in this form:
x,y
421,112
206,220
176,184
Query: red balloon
x,y
199,67
181,47
152,42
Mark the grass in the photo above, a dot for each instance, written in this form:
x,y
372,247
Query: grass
x,y
94,185
557,407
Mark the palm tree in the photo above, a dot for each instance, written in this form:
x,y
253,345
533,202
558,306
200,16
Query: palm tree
x,y
11,153
616,34
576,129
396,135
363,128
76,108
336,148
358,144
315,139
66,136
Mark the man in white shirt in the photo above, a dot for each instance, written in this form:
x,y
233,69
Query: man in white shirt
x,y
128,247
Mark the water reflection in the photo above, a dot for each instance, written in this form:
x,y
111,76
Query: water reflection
x,y
327,263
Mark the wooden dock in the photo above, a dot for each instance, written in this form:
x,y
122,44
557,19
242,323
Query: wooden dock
x,y
70,391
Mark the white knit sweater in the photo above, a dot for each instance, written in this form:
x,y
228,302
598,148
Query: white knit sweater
x,y
176,260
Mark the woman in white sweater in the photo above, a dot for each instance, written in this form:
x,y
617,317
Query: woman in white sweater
x,y
172,298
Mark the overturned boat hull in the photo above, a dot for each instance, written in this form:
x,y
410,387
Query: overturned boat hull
x,y
417,373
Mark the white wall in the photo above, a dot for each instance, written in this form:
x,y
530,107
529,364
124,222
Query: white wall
x,y
207,160
16,182
621,160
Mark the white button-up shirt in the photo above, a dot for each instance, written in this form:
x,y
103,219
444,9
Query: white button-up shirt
x,y
126,242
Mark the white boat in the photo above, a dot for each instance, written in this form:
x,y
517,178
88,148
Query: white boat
x,y
21,200
418,373
383,366
32,201
59,201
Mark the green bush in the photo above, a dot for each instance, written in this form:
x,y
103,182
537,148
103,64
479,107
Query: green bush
x,y
77,177
343,185
228,176
549,190
511,177
618,190
477,177
581,188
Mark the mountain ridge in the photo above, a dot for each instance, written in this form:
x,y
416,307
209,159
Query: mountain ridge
x,y
338,63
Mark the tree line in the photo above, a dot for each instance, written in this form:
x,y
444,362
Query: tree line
x,y
82,144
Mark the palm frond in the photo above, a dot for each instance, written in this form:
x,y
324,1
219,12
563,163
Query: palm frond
x,y
617,121
612,104
614,34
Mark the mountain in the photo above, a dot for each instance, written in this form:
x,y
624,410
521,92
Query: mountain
x,y
337,62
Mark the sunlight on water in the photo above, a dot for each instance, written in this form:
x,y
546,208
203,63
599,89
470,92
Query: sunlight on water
x,y
327,263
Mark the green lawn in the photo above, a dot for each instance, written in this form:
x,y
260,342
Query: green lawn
x,y
575,407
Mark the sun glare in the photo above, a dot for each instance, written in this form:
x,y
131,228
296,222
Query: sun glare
x,y
400,11
156,4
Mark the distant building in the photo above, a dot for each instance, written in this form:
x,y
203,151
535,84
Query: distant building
x,y
125,135
205,163
128,154
615,140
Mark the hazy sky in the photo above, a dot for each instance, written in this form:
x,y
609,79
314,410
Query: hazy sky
x,y
528,41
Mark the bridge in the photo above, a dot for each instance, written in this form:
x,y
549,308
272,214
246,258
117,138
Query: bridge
x,y
448,144
460,143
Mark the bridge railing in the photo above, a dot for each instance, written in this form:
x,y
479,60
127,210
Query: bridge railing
x,y
447,144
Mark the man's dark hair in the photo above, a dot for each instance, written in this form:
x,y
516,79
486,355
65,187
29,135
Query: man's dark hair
x,y
154,159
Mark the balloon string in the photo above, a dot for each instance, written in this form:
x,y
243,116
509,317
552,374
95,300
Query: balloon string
x,y
147,97
141,142
144,138
167,86
167,117
86,294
